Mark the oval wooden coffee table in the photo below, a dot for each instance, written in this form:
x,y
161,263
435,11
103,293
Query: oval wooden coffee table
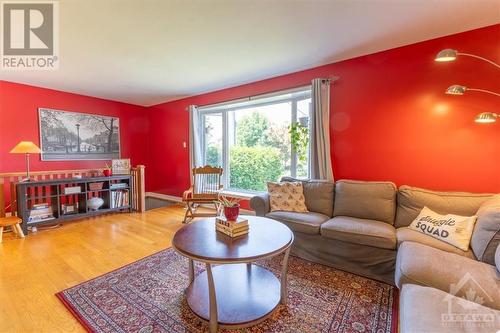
x,y
232,292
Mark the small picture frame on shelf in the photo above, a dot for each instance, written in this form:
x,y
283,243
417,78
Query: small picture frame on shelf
x,y
121,166
68,209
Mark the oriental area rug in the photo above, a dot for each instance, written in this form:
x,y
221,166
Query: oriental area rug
x,y
148,296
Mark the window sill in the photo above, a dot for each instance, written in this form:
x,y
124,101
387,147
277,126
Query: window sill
x,y
239,195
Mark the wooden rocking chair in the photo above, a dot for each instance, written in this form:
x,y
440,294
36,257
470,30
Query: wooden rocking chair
x,y
205,190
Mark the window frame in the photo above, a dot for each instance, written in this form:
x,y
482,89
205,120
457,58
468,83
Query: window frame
x,y
302,93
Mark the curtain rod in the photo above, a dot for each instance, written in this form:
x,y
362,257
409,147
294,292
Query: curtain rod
x,y
253,97
249,98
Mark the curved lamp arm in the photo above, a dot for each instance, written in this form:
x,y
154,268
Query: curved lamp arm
x,y
481,58
484,91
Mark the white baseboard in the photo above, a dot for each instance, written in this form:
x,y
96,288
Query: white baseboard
x,y
173,198
165,197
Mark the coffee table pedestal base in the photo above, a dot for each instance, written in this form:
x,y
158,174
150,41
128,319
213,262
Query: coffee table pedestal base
x,y
245,294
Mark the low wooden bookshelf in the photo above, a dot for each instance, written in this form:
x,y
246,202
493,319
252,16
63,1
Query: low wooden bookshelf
x,y
57,200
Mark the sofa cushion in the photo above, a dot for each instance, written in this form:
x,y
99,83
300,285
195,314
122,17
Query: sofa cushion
x,y
287,196
424,309
319,194
307,223
449,272
360,231
365,200
411,200
450,228
405,234
497,258
486,235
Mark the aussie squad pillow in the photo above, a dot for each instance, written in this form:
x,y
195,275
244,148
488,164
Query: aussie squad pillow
x,y
452,229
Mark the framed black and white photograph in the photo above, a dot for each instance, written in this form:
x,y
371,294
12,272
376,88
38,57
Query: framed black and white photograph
x,y
78,136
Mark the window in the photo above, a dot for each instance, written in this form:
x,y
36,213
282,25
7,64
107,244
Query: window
x,y
259,139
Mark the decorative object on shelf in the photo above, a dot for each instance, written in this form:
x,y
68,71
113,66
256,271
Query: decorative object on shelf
x,y
95,203
232,228
231,207
96,186
78,136
27,148
72,190
456,89
68,209
108,171
121,166
486,118
450,55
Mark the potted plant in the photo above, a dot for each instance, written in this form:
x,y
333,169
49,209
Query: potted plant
x,y
299,138
231,207
107,170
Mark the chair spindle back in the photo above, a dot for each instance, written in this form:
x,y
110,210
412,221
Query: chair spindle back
x,y
207,182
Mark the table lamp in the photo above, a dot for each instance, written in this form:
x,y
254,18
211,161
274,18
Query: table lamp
x,y
26,147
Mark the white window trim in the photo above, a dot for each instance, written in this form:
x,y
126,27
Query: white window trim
x,y
223,108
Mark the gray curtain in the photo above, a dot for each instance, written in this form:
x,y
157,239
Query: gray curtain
x,y
321,163
195,155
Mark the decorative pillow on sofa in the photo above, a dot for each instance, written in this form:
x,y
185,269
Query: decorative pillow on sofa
x,y
287,196
486,235
452,229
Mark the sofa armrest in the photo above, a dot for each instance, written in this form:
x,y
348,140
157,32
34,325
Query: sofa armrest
x,y
260,204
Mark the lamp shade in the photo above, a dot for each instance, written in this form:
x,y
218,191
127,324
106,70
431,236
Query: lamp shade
x,y
486,118
456,89
26,147
446,55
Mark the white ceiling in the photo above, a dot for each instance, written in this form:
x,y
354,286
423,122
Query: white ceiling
x,y
150,51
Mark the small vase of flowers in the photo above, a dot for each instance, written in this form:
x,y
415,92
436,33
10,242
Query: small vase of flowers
x,y
231,207
107,170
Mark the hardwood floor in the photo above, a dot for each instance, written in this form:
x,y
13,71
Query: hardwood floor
x,y
33,269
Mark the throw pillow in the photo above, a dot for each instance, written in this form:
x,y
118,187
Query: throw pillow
x,y
486,235
452,229
287,196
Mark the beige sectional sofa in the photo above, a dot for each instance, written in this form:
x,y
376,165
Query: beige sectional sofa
x,y
362,227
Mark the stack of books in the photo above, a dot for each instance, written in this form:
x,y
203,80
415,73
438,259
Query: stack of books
x,y
119,198
236,228
40,212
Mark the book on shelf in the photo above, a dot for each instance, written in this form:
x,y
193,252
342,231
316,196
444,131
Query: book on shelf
x,y
40,219
41,212
117,186
119,198
72,190
40,206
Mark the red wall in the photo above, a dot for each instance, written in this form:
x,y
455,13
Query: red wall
x,y
19,121
390,118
